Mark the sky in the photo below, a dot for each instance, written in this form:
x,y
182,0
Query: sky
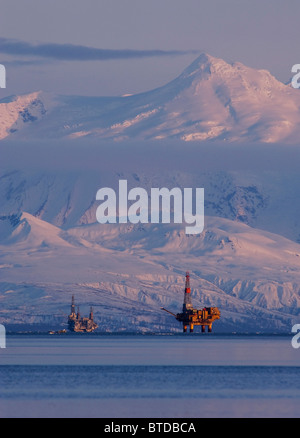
x,y
116,47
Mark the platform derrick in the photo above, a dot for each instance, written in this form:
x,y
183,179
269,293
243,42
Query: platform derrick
x,y
77,323
190,316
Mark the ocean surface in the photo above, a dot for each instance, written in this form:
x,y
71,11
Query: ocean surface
x,y
149,376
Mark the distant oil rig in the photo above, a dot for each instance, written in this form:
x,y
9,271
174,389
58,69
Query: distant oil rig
x,y
190,316
78,324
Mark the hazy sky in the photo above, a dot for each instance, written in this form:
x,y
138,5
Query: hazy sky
x,y
259,33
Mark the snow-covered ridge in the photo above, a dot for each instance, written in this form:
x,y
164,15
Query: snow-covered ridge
x,y
211,100
18,111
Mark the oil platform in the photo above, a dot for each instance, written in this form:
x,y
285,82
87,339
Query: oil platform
x,y
78,324
190,316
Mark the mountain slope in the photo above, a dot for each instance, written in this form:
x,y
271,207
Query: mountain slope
x,y
17,112
210,100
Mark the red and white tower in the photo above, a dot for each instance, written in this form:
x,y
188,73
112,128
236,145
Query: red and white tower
x,y
187,302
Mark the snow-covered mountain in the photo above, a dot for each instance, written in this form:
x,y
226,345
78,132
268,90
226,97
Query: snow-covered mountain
x,y
128,272
211,100
246,261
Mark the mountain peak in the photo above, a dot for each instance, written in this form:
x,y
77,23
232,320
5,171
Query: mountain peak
x,y
207,64
204,60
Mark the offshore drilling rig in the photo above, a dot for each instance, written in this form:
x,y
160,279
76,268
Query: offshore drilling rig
x,y
78,324
191,316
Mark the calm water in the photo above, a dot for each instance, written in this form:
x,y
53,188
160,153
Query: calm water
x,y
152,376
